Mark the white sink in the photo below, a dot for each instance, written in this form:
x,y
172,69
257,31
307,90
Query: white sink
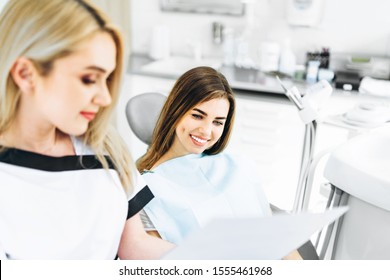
x,y
176,66
361,167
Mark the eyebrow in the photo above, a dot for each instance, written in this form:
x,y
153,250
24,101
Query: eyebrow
x,y
205,114
97,68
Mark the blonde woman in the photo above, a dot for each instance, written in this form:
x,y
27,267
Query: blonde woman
x,y
69,188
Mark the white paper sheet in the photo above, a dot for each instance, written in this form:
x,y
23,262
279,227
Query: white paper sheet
x,y
269,238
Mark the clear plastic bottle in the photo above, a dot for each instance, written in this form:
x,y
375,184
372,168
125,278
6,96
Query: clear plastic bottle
x,y
287,59
229,49
312,71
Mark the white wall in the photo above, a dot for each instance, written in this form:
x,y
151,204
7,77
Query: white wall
x,y
118,11
352,26
2,4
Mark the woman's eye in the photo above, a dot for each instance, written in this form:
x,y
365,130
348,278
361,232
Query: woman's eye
x,y
196,116
88,80
218,123
109,79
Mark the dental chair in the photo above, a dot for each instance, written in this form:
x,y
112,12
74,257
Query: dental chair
x,y
142,112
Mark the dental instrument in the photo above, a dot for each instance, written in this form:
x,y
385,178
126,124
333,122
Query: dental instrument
x,y
308,107
291,95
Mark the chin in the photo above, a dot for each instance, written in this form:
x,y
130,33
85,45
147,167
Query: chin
x,y
75,131
198,151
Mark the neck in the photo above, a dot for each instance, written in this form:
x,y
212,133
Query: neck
x,y
170,154
42,140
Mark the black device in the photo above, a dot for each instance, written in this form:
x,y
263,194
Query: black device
x,y
347,80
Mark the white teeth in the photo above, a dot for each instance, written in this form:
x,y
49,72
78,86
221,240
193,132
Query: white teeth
x,y
198,139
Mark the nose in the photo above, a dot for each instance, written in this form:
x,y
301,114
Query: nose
x,y
103,97
206,128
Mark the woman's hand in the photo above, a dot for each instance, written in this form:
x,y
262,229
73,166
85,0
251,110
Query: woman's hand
x,y
136,244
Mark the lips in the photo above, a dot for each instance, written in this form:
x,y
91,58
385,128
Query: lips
x,y
88,115
198,140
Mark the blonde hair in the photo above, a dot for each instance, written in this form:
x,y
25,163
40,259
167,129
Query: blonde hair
x,y
196,86
45,30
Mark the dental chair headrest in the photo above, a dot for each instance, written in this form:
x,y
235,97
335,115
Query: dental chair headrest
x,y
142,112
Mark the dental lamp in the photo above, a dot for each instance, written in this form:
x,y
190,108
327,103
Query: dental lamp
x,y
308,107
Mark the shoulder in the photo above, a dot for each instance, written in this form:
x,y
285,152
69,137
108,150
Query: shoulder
x,y
203,161
234,160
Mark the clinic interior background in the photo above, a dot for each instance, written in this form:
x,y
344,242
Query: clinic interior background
x,y
346,26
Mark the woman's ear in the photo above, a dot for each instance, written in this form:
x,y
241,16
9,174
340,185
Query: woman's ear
x,y
24,72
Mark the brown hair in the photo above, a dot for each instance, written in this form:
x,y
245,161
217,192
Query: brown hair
x,y
196,86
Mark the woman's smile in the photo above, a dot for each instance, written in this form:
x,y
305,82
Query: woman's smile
x,y
199,141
